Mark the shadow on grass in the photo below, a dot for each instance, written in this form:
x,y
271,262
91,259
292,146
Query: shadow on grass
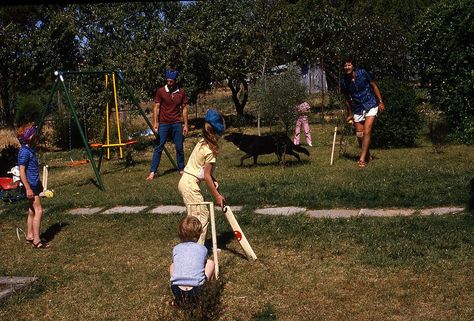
x,y
51,231
222,240
288,163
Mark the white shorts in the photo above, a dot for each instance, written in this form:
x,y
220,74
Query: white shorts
x,y
361,117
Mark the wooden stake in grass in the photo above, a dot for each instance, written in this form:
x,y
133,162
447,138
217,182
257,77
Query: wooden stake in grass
x,y
333,145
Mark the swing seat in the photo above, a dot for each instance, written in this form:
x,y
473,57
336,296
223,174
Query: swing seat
x,y
131,142
79,162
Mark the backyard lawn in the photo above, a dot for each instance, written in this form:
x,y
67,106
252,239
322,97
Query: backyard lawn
x,y
115,267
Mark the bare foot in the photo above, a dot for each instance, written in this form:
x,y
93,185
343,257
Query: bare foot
x,y
181,173
150,176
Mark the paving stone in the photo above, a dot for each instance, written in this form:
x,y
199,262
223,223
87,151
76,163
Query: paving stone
x,y
441,210
236,208
335,213
386,212
11,284
280,210
125,209
85,210
168,209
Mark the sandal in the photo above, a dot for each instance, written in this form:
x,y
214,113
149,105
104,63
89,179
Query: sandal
x,y
361,164
39,245
28,241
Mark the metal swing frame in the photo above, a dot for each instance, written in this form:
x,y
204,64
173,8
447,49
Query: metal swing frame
x,y
114,74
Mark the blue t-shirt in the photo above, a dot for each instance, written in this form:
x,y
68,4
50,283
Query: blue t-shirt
x,y
359,90
189,261
27,158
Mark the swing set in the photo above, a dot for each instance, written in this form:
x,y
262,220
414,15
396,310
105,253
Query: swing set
x,y
111,78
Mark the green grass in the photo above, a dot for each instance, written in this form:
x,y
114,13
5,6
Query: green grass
x,y
115,267
413,178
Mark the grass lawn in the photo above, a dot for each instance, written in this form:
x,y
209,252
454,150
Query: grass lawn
x,y
115,267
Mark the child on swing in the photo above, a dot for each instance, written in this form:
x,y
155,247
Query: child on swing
x,y
200,167
29,175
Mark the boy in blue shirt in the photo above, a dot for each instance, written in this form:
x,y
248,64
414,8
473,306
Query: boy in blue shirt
x,y
29,175
363,102
190,268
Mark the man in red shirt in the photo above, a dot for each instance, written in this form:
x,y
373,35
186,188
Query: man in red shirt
x,y
170,118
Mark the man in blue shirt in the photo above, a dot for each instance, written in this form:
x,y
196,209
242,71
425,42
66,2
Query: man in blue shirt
x,y
363,102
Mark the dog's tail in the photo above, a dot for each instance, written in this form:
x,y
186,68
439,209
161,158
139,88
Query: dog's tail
x,y
300,149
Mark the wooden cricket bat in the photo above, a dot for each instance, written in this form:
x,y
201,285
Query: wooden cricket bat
x,y
239,235
45,178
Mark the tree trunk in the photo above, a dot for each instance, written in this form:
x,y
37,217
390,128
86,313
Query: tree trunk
x,y
235,86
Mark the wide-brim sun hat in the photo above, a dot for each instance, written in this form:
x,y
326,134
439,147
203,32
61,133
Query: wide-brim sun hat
x,y
216,120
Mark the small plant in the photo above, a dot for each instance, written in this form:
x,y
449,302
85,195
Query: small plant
x,y
208,306
438,135
266,314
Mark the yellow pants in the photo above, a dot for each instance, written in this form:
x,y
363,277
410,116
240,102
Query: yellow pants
x,y
189,188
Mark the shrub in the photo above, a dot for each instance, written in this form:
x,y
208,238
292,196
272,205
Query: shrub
x,y
278,95
400,123
438,134
28,110
8,159
445,54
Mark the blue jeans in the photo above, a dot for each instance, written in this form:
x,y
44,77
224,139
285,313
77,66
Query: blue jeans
x,y
176,132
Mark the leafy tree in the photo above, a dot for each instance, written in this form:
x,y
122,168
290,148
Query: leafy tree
x,y
235,42
321,29
446,54
35,41
279,94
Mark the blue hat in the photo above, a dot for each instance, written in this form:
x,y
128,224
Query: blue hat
x,y
171,74
214,118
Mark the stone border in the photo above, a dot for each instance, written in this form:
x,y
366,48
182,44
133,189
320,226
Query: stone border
x,y
284,211
125,210
12,284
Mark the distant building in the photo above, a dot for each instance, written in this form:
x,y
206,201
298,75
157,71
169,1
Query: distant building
x,y
312,75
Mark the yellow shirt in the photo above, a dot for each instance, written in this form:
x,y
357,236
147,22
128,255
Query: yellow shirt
x,y
201,154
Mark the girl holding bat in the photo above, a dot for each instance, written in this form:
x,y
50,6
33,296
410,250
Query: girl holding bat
x,y
200,167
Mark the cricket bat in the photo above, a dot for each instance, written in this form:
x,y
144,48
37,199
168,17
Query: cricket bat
x,y
45,178
239,235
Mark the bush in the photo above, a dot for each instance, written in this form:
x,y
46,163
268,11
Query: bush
x,y
279,95
8,159
400,123
28,110
444,50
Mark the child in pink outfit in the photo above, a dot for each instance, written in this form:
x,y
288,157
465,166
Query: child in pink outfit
x,y
303,110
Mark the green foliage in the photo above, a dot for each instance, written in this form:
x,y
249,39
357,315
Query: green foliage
x,y
8,158
278,95
400,123
438,134
266,314
28,109
445,52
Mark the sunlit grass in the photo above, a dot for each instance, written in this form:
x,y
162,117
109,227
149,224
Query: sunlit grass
x,y
115,267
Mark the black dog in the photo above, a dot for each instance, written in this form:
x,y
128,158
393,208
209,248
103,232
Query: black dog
x,y
253,145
